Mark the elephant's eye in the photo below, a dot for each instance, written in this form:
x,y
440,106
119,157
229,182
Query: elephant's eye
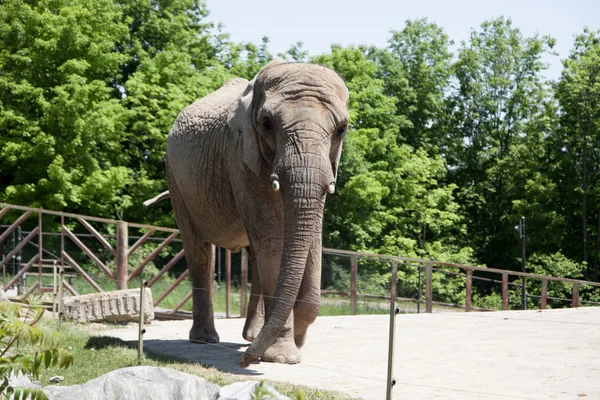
x,y
267,125
342,131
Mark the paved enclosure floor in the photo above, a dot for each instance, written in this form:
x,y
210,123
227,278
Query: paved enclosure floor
x,y
554,354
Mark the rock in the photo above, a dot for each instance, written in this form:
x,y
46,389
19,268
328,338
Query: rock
x,y
137,383
20,380
56,379
115,306
244,391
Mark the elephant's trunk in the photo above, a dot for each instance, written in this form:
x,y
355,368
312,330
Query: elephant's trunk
x,y
305,179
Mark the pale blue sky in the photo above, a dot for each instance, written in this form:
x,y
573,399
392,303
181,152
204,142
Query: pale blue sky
x,y
320,23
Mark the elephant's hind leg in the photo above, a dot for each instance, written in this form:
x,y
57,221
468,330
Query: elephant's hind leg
x,y
197,255
203,329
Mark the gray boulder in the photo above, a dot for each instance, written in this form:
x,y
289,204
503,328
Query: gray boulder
x,y
133,383
244,391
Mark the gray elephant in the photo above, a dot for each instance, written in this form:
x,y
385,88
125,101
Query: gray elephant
x,y
249,166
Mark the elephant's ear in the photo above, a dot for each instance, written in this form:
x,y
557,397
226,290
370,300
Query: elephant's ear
x,y
250,147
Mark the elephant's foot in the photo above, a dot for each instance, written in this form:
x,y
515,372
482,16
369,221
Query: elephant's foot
x,y
253,326
282,351
299,337
252,329
205,333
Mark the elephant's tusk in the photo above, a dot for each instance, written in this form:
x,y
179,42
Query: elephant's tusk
x,y
331,188
275,182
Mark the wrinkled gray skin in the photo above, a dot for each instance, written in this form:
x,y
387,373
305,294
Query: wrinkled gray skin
x,y
222,152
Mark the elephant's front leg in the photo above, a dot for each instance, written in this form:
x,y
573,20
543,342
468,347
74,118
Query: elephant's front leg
x,y
283,350
255,318
308,301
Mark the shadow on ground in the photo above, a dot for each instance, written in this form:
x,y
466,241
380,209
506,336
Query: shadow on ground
x,y
224,356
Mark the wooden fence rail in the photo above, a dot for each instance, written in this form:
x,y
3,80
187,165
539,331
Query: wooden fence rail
x,y
121,253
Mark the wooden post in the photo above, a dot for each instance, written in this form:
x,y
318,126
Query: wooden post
x,y
40,248
353,273
504,291
141,329
61,308
122,245
468,290
244,284
428,290
54,290
544,298
228,283
390,375
575,302
62,246
213,259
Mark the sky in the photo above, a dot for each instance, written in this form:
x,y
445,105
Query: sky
x,y
321,23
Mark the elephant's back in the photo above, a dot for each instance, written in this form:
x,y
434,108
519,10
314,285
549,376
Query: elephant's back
x,y
210,112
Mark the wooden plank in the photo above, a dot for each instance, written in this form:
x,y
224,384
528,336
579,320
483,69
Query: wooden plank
x,y
88,252
228,283
121,254
69,288
97,235
244,285
140,241
14,225
4,211
182,302
23,243
353,278
468,290
138,270
504,291
428,290
88,217
544,297
167,267
19,274
575,299
82,272
170,288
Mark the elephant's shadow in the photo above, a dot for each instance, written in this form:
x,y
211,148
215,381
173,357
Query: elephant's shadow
x,y
224,356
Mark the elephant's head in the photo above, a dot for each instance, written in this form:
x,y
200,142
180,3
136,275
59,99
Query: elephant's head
x,y
295,120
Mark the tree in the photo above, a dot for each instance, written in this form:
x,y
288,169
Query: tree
x,y
416,70
495,136
61,126
390,198
577,139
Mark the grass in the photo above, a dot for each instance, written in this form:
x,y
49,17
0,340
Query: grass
x,y
97,355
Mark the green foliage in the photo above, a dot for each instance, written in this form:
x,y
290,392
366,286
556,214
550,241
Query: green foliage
x,y
27,347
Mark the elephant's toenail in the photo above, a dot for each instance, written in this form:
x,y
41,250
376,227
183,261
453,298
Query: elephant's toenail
x,y
280,359
292,360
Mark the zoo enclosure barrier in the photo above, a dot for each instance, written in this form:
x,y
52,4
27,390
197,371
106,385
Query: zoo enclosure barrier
x,y
103,254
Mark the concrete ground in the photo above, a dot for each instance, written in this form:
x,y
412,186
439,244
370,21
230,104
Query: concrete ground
x,y
554,354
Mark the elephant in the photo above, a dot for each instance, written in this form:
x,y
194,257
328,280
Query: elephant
x,y
249,166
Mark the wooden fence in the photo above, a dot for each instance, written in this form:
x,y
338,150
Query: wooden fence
x,y
120,253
